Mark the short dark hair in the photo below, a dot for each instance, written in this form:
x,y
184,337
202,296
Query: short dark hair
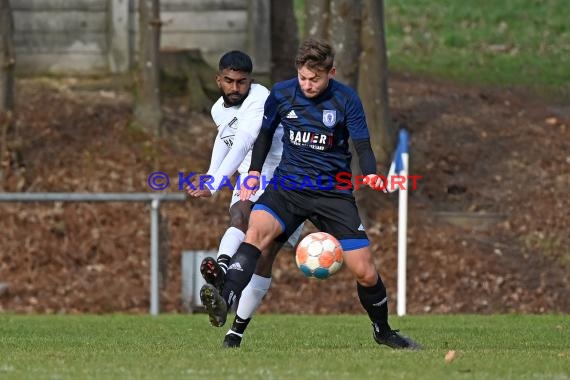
x,y
236,60
316,54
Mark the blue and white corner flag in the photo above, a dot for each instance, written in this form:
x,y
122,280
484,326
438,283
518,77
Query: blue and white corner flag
x,y
398,179
399,166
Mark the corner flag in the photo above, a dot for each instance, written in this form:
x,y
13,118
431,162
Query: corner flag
x,y
399,164
399,167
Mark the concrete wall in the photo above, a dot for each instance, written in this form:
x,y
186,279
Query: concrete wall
x,y
94,36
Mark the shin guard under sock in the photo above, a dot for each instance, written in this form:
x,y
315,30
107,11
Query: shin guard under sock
x,y
375,302
242,266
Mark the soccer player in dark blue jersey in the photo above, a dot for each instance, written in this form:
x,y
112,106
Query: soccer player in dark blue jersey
x,y
319,115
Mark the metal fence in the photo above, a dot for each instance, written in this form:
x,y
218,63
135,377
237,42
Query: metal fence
x,y
153,198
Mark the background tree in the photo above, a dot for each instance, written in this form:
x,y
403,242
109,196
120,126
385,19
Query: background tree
x,y
7,63
317,16
373,83
184,72
7,57
284,40
356,29
344,34
147,109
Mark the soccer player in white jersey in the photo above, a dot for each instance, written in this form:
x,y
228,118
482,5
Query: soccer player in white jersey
x,y
238,115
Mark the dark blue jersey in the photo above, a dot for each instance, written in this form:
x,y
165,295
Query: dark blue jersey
x,y
316,133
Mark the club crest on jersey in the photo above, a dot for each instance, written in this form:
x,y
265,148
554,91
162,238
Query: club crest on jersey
x,y
329,117
313,140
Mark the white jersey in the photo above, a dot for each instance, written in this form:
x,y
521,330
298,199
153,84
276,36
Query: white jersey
x,y
238,127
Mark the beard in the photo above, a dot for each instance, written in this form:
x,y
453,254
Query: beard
x,y
233,99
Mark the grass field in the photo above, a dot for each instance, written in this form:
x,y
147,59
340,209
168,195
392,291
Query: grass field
x,y
500,43
282,347
515,42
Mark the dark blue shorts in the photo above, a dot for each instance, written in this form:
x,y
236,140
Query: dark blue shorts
x,y
334,213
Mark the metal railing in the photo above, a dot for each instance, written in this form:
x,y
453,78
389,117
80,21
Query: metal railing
x,y
154,198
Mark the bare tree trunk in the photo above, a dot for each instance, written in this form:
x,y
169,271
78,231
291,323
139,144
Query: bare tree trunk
x,y
344,32
373,88
284,40
7,57
356,30
7,63
148,113
184,72
317,20
5,124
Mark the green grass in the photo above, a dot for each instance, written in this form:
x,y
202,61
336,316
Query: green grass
x,y
281,347
514,43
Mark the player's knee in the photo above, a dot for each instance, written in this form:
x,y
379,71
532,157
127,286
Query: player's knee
x,y
239,219
366,274
370,279
259,236
254,235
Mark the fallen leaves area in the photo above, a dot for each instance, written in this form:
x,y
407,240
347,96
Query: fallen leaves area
x,y
487,231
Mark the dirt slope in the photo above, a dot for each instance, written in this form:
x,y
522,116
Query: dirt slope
x,y
488,226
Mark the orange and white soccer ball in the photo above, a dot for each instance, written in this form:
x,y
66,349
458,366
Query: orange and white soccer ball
x,y
319,255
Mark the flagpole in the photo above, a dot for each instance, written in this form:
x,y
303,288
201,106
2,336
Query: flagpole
x,y
399,168
402,238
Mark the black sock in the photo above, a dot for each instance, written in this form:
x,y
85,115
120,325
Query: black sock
x,y
242,266
375,302
240,325
223,262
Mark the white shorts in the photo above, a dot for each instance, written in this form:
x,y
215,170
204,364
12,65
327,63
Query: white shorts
x,y
293,239
254,197
235,193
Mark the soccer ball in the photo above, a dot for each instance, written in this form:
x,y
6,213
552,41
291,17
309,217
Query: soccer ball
x,y
319,255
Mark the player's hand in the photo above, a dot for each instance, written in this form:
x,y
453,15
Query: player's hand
x,y
198,193
199,188
376,182
199,180
250,186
